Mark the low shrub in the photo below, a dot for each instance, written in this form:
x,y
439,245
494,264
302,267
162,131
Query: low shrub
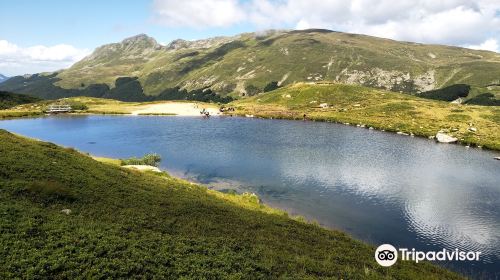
x,y
149,159
487,99
50,191
78,106
449,93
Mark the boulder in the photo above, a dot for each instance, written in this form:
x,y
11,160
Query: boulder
x,y
444,138
143,168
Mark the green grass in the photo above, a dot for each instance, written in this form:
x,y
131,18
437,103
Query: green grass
x,y
128,224
9,114
379,109
112,161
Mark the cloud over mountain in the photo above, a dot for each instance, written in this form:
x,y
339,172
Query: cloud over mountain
x,y
38,58
454,22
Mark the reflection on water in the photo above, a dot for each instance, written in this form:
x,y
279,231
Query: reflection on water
x,y
379,187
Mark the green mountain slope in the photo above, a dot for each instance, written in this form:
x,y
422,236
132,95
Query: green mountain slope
x,y
244,65
9,100
126,224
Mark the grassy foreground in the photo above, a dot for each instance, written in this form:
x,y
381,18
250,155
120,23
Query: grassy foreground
x,y
379,109
123,223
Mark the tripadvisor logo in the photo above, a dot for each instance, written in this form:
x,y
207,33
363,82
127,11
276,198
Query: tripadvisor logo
x,y
387,255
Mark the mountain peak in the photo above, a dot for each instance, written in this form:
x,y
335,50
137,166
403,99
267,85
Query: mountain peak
x,y
138,46
138,39
201,44
178,44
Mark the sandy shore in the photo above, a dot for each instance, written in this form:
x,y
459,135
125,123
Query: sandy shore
x,y
176,108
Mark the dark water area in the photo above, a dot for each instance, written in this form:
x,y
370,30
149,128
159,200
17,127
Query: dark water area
x,y
379,187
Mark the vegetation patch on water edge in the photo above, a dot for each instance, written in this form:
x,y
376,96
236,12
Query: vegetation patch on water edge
x,y
66,215
149,159
6,114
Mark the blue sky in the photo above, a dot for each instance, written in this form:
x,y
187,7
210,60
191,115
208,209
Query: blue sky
x,y
90,23
49,35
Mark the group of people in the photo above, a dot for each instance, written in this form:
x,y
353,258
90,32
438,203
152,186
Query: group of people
x,y
224,109
205,113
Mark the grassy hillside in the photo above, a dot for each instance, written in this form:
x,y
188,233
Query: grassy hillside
x,y
120,223
9,100
244,65
379,109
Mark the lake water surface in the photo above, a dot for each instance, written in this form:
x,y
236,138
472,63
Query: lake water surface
x,y
379,187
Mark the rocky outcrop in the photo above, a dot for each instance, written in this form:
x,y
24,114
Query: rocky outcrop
x,y
445,138
143,168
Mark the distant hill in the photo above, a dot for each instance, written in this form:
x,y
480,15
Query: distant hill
x,y
9,100
249,63
3,78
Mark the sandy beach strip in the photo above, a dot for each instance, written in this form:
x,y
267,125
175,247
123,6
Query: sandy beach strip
x,y
176,108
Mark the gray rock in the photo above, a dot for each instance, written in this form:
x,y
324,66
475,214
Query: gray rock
x,y
444,138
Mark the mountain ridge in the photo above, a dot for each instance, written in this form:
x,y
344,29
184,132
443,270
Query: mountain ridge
x,y
243,65
3,78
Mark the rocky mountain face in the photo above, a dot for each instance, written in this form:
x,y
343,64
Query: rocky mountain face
x,y
246,64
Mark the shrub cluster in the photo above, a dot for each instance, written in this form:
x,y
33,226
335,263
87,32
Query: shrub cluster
x,y
149,159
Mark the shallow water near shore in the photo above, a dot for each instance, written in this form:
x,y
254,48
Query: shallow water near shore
x,y
379,187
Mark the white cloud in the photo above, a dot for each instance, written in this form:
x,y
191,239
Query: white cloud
x,y
488,45
198,13
15,60
453,22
